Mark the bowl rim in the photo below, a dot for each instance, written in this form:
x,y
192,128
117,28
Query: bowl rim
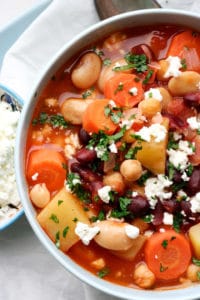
x,y
188,293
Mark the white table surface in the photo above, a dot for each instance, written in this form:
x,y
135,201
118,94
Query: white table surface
x,y
27,270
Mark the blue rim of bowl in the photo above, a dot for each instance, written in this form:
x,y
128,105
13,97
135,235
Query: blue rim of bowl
x,y
5,224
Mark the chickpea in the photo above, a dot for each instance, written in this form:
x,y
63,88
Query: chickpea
x,y
166,98
87,71
131,169
187,82
162,70
113,236
143,277
192,272
73,109
115,180
150,107
40,195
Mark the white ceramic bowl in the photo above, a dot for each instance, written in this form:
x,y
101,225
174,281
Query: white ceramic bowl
x,y
91,35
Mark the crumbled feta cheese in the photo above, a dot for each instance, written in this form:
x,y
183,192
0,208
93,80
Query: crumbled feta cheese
x,y
185,177
132,231
179,158
155,130
134,194
167,218
103,193
113,148
194,123
162,230
153,93
112,103
174,66
195,203
177,136
35,176
133,91
155,188
85,232
8,188
127,123
71,145
100,150
148,233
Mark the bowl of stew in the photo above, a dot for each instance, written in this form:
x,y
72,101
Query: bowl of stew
x,y
108,153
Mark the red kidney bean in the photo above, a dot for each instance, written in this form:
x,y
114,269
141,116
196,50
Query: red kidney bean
x,y
193,185
192,99
139,206
186,207
158,214
85,173
171,206
175,122
85,156
83,136
143,49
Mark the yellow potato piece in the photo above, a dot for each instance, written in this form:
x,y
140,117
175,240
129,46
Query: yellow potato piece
x,y
153,155
58,219
131,253
194,235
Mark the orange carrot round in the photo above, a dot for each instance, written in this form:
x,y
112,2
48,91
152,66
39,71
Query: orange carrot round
x,y
186,45
167,254
125,89
95,119
46,166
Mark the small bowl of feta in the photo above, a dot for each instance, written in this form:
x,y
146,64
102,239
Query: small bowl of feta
x,y
10,205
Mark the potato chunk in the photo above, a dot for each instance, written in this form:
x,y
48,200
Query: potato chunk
x,y
153,155
58,219
194,235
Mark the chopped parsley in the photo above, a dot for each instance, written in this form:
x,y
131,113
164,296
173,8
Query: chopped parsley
x,y
65,231
138,60
56,121
99,52
148,218
198,275
132,152
75,220
74,184
119,88
183,63
177,221
164,244
196,261
54,218
107,62
172,144
103,272
122,211
87,93
115,113
57,239
60,202
100,217
148,76
171,170
141,181
162,268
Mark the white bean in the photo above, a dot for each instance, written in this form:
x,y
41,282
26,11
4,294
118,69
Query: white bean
x,y
40,195
73,109
187,82
87,71
113,236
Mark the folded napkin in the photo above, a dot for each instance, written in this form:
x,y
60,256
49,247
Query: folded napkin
x,y
27,58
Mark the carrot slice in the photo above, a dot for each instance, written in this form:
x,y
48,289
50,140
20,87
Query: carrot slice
x,y
167,254
186,45
95,119
46,166
125,89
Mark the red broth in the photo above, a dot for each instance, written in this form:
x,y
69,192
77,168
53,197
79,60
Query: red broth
x,y
131,163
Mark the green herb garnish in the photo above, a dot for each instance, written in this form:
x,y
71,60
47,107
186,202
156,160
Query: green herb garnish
x,y
103,272
164,244
162,268
57,239
141,181
196,261
107,62
177,221
60,202
65,231
54,218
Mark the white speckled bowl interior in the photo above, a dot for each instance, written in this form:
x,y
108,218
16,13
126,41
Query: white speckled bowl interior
x,y
91,35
